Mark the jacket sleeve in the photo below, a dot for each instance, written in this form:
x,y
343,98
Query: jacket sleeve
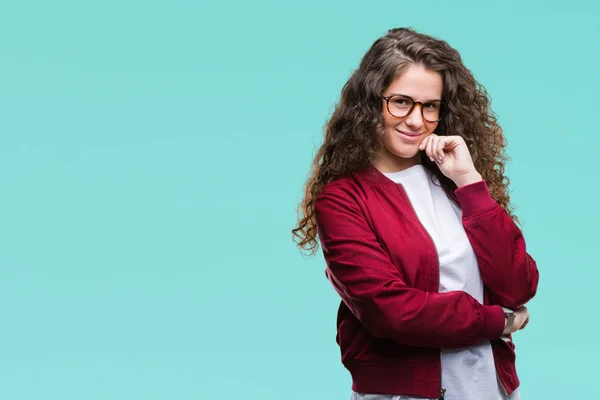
x,y
363,274
507,270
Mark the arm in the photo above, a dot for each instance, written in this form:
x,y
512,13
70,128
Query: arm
x,y
371,286
507,270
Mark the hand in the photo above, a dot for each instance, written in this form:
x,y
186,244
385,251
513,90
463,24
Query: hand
x,y
452,157
526,319
521,320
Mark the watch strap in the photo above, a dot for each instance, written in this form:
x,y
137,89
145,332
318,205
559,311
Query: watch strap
x,y
510,315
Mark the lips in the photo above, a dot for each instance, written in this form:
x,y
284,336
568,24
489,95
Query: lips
x,y
409,135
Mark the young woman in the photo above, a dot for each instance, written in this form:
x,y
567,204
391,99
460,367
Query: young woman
x,y
410,203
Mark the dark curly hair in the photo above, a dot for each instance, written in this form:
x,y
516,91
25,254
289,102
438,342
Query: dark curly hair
x,y
352,142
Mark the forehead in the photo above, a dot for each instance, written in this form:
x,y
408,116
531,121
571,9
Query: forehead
x,y
417,82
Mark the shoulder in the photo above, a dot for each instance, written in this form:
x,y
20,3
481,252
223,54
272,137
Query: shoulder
x,y
352,186
341,204
345,184
359,182
357,190
341,199
341,190
351,193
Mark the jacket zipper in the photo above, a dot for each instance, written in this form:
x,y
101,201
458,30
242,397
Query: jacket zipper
x,y
437,276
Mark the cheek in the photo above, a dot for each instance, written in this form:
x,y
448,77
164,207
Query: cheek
x,y
389,122
431,126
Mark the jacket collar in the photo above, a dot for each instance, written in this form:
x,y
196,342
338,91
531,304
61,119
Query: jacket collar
x,y
374,176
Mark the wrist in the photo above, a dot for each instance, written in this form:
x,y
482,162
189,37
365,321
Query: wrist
x,y
467,179
509,319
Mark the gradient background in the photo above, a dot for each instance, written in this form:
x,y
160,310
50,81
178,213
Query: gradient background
x,y
152,155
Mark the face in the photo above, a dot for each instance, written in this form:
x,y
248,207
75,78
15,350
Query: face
x,y
402,136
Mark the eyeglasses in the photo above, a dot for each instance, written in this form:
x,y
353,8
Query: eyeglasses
x,y
400,106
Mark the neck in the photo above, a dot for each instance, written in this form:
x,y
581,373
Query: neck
x,y
391,163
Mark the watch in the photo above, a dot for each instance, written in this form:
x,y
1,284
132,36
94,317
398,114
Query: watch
x,y
511,319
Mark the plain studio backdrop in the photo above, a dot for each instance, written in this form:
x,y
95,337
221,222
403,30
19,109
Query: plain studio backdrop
x,y
152,155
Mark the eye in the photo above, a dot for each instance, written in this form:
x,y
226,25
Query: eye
x,y
431,106
400,101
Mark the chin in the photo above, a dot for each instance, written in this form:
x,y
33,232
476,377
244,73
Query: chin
x,y
406,154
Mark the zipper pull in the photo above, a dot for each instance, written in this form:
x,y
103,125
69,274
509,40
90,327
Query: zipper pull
x,y
442,393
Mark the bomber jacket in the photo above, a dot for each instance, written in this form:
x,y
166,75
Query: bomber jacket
x,y
392,320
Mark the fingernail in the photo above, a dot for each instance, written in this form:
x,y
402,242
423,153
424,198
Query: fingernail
x,y
431,158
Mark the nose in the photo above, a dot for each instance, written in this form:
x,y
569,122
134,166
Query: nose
x,y
415,120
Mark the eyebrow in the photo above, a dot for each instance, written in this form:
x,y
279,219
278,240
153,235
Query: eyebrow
x,y
405,95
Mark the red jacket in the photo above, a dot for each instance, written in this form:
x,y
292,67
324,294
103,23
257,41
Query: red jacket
x,y
392,321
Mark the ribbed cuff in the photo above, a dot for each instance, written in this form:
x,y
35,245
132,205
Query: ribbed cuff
x,y
474,198
493,322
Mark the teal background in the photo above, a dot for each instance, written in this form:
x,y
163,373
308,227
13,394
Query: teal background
x,y
152,155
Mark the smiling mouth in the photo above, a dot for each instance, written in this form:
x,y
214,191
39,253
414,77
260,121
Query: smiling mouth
x,y
412,135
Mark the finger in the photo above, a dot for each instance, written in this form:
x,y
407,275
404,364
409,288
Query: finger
x,y
435,149
524,324
441,144
430,148
524,320
423,143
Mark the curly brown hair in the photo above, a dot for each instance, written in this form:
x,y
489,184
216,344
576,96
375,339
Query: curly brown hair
x,y
352,142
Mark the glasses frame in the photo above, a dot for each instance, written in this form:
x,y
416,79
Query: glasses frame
x,y
420,103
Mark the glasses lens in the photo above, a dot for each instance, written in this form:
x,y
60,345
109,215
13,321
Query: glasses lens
x,y
400,106
432,111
